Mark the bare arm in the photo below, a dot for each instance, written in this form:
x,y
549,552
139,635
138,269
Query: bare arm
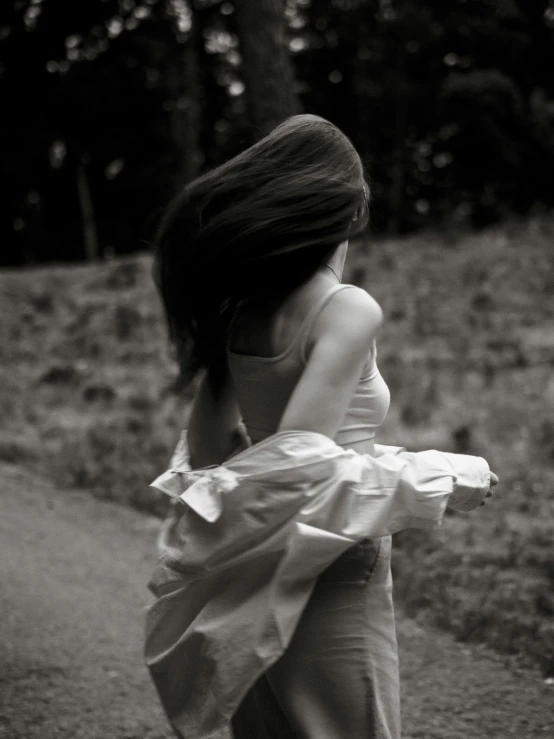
x,y
213,432
342,338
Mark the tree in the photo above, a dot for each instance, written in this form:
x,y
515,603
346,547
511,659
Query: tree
x,y
109,106
267,70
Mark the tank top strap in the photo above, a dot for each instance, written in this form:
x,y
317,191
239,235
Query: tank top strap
x,y
311,315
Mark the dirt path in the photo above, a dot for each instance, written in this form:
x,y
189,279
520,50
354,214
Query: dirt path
x,y
73,573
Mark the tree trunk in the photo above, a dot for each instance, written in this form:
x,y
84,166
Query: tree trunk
x,y
267,68
90,238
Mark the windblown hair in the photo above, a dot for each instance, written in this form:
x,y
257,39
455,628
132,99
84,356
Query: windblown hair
x,y
256,227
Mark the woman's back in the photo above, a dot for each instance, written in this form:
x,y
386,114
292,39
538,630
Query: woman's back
x,y
261,330
268,350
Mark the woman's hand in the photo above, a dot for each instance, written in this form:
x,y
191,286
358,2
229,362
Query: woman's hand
x,y
494,481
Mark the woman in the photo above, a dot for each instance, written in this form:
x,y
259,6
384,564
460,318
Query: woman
x,y
249,265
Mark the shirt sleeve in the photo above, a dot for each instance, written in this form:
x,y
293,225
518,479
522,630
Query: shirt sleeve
x,y
380,449
470,475
331,488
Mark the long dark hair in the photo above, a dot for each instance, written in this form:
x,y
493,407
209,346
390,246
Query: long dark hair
x,y
257,226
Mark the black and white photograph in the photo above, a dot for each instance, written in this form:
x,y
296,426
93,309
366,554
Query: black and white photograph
x,y
277,369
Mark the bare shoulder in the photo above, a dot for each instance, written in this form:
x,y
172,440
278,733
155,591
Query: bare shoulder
x,y
353,314
341,336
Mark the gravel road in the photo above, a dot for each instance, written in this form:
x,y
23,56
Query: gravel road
x,y
73,573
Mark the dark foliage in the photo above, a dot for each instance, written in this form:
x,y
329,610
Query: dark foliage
x,y
110,105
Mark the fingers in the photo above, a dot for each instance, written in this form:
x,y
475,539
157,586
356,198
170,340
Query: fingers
x,y
493,482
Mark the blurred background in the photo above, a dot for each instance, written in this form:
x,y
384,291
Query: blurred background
x,y
109,105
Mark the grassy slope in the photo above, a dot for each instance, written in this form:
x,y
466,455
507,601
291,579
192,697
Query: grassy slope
x,y
467,349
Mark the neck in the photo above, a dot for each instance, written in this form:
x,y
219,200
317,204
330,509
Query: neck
x,y
335,264
333,271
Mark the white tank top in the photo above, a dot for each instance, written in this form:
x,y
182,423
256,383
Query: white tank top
x,y
265,384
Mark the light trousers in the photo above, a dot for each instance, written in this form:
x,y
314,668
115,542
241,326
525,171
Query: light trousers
x,y
338,679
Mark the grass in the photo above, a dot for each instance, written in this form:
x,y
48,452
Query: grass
x,y
86,396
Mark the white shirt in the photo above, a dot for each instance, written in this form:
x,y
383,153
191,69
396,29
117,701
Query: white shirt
x,y
245,542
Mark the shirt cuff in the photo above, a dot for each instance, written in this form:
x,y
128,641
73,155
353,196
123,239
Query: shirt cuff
x,y
473,480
